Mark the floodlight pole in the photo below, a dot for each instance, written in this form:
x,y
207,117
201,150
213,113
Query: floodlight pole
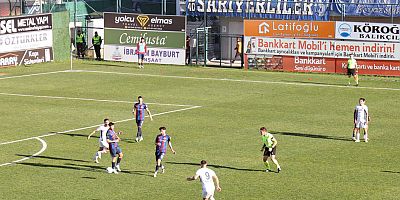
x,y
162,7
75,6
119,6
165,7
205,36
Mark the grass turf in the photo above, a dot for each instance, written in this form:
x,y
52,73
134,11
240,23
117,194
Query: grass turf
x,y
309,114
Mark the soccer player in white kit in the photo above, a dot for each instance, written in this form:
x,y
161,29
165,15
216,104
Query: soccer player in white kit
x,y
361,119
207,178
103,145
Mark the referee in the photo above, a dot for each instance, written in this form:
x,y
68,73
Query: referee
x,y
269,148
352,69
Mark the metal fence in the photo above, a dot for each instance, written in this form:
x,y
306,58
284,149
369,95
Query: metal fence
x,y
22,7
215,49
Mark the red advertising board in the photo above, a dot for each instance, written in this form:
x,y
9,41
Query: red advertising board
x,y
371,67
320,65
308,64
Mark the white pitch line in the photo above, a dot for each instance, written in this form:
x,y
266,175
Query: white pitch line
x,y
44,147
28,75
21,140
87,127
89,99
241,80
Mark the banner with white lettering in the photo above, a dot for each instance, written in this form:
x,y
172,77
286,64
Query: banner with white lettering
x,y
163,34
322,48
289,29
375,67
26,57
26,39
320,64
12,25
368,31
153,55
268,9
378,8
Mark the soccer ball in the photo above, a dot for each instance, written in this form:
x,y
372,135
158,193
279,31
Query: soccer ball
x,y
109,170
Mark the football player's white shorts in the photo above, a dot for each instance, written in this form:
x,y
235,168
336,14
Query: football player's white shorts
x,y
361,124
103,143
208,193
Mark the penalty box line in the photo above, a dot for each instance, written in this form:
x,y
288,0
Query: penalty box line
x,y
93,126
90,99
36,74
237,80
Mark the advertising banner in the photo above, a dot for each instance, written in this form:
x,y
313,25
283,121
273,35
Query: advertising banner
x,y
289,28
144,22
368,31
12,25
153,55
378,8
26,57
371,67
322,48
268,9
291,63
309,64
126,37
25,40
164,35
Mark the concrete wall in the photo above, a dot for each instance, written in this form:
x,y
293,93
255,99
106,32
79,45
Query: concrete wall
x,y
98,25
230,26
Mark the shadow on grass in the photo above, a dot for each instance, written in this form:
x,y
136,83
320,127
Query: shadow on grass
x,y
88,177
90,168
54,158
217,166
392,172
107,64
142,173
317,83
316,136
127,140
77,135
59,166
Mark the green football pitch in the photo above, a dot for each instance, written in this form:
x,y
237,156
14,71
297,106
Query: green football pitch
x,y
214,114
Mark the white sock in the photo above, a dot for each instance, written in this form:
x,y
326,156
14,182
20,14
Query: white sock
x,y
358,136
99,154
365,136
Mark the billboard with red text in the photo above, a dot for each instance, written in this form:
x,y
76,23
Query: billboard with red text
x,y
322,48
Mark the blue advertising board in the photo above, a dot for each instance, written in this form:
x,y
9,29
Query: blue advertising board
x,y
272,9
374,8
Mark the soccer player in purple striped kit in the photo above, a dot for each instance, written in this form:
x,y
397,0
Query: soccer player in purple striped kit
x,y
115,150
161,142
138,112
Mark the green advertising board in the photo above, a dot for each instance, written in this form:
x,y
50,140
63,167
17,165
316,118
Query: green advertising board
x,y
164,35
125,37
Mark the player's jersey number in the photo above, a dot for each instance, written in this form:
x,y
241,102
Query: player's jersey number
x,y
207,176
